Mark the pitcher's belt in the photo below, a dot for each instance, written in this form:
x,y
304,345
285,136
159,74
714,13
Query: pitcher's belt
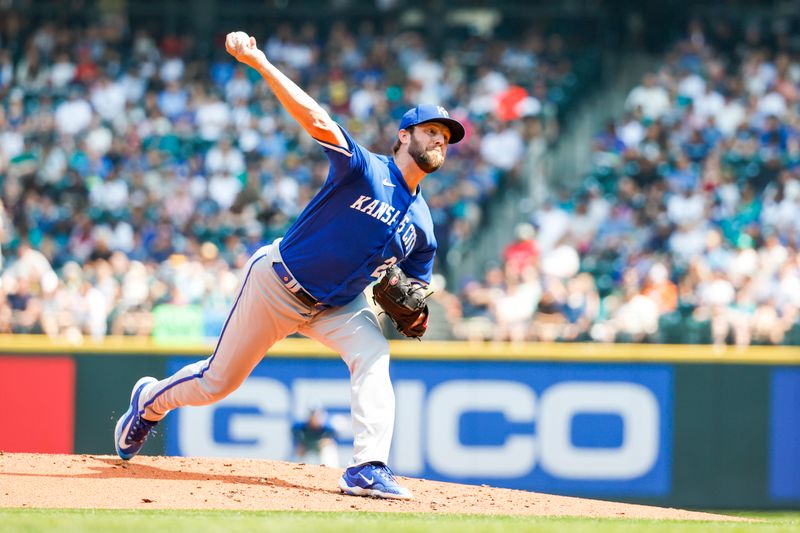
x,y
294,287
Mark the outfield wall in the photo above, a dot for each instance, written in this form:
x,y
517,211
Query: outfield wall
x,y
669,425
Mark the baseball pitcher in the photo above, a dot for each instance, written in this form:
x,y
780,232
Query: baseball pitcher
x,y
368,222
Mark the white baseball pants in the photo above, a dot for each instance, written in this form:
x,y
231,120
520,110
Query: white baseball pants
x,y
266,312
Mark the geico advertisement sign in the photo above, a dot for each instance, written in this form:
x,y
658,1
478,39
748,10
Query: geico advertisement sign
x,y
551,447
569,428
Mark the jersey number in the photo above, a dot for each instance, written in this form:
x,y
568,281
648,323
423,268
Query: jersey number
x,y
381,269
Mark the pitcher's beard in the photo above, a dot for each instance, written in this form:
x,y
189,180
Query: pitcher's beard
x,y
427,161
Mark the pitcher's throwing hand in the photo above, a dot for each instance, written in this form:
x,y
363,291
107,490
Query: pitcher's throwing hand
x,y
244,48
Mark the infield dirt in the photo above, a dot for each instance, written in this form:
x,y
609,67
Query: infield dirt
x,y
102,481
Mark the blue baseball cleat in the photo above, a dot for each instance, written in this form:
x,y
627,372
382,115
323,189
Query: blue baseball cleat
x,y
373,479
132,430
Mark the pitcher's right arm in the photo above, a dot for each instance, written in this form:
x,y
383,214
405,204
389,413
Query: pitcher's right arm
x,y
304,109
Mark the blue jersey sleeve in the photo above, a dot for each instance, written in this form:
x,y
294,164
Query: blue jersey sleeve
x,y
346,161
419,264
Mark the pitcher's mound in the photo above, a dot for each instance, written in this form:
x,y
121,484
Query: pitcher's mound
x,y
101,481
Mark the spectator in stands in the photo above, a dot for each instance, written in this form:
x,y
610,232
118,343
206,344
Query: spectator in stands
x,y
477,305
634,318
523,252
649,97
551,313
581,307
514,306
4,238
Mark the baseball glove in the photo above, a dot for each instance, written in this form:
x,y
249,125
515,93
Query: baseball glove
x,y
404,302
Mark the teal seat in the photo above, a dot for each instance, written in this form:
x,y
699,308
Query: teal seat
x,y
792,337
670,328
696,331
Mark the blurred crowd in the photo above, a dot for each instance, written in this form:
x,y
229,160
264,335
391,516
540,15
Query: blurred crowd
x,y
136,175
687,228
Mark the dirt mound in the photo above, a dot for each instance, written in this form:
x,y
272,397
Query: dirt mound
x,y
101,481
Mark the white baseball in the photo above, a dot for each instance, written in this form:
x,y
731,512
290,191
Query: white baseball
x,y
237,40
241,40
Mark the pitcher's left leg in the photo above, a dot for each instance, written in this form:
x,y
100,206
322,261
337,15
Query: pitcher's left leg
x,y
353,331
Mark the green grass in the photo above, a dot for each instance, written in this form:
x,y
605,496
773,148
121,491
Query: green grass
x,y
112,521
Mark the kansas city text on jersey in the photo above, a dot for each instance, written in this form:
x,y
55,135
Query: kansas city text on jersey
x,y
376,209
388,215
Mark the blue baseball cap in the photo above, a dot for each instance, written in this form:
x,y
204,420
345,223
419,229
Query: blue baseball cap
x,y
433,113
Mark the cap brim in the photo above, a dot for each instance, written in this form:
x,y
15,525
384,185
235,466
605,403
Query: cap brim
x,y
456,128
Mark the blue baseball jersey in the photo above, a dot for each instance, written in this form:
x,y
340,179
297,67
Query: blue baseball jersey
x,y
363,220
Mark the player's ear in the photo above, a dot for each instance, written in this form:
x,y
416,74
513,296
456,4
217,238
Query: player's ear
x,y
404,136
